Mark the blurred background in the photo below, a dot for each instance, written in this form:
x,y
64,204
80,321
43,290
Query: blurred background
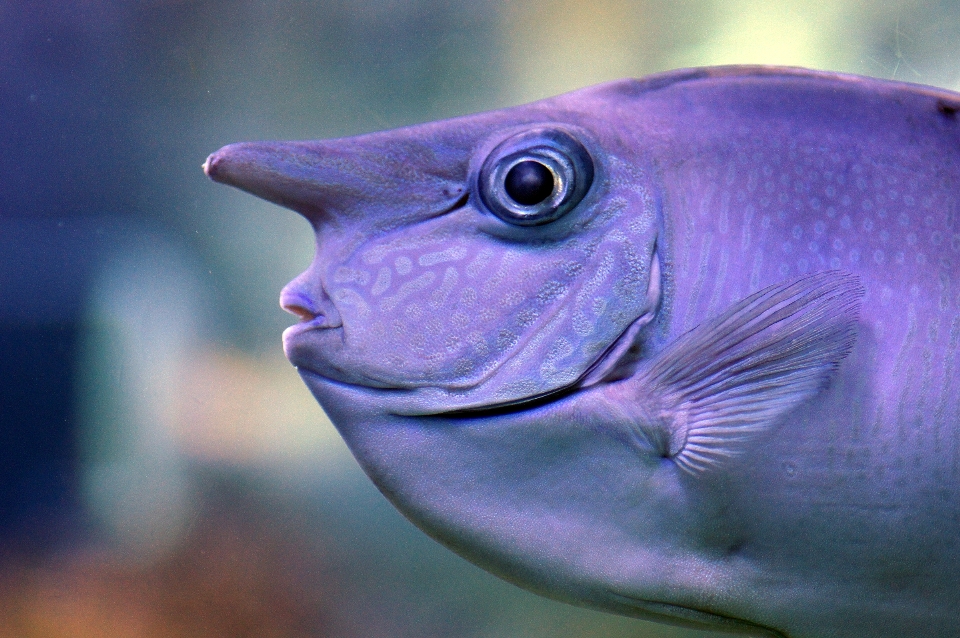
x,y
163,471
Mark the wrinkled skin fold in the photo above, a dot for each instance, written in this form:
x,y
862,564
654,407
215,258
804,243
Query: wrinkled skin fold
x,y
694,361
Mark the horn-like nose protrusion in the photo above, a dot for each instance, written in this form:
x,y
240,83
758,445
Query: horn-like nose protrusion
x,y
393,173
301,176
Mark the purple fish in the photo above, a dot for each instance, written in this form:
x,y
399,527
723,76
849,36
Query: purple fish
x,y
682,348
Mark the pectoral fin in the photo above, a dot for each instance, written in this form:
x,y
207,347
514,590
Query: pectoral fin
x,y
729,378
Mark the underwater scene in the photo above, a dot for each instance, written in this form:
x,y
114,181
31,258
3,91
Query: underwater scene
x,y
164,471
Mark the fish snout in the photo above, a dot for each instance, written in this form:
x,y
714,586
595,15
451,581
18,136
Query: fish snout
x,y
297,175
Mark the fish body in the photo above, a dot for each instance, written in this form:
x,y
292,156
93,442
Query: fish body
x,y
682,348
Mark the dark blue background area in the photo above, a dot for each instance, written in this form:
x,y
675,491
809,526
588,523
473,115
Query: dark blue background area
x,y
68,184
64,108
46,269
38,491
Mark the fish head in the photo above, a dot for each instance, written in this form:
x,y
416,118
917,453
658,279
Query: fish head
x,y
469,263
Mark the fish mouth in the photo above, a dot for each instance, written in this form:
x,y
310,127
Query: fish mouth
x,y
692,617
608,366
614,363
618,361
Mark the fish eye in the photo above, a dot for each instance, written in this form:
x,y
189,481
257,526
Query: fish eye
x,y
529,182
535,177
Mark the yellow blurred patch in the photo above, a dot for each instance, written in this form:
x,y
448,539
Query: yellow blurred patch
x,y
238,408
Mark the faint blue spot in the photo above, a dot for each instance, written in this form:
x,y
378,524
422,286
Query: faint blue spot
x,y
838,244
382,282
878,256
835,262
453,253
854,256
403,265
921,259
784,270
900,258
813,246
803,266
797,232
868,224
911,238
831,211
819,227
846,222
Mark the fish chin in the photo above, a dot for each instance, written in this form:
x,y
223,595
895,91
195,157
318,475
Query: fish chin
x,y
315,350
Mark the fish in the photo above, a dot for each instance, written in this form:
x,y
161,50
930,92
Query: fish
x,y
682,348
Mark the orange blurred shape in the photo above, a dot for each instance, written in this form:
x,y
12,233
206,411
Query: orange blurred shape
x,y
244,570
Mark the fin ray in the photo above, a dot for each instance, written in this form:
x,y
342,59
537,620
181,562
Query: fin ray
x,y
732,377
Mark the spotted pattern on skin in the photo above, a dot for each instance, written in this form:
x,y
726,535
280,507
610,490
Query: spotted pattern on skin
x,y
459,312
804,203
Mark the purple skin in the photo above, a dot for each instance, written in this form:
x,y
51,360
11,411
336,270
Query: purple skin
x,y
590,398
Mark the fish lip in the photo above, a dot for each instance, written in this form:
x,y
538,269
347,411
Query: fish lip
x,y
319,322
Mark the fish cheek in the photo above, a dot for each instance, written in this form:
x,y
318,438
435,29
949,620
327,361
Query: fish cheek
x,y
444,304
410,303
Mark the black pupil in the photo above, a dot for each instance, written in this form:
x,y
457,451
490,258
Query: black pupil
x,y
529,183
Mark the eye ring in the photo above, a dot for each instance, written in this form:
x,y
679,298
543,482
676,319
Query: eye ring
x,y
567,163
